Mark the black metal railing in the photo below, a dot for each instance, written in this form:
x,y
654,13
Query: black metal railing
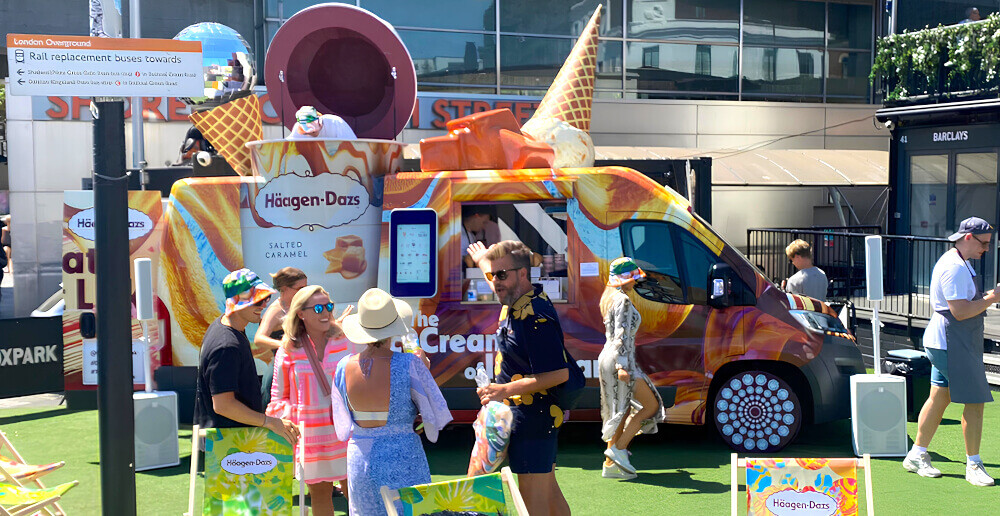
x,y
840,252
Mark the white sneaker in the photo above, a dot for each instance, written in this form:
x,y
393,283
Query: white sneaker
x,y
620,457
920,463
613,471
976,474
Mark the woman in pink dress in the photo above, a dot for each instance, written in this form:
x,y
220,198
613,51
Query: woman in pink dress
x,y
303,371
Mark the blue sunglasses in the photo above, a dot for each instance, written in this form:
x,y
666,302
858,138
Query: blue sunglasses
x,y
319,308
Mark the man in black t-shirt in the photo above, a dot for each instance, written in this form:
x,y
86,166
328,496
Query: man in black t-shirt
x,y
228,387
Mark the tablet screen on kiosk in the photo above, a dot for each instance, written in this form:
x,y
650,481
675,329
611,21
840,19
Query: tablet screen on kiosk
x,y
413,253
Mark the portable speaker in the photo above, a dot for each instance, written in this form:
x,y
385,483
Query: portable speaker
x,y
144,289
156,443
878,415
873,267
88,325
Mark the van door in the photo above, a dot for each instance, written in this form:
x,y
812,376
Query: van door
x,y
682,340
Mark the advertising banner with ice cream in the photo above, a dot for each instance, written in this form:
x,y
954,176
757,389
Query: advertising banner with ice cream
x,y
801,487
80,283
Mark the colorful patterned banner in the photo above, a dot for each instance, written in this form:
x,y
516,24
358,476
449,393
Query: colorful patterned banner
x,y
800,487
248,471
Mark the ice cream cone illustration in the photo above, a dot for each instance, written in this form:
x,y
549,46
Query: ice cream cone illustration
x,y
229,127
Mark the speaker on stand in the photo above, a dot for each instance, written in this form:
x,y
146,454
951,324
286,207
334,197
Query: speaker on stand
x,y
878,402
156,443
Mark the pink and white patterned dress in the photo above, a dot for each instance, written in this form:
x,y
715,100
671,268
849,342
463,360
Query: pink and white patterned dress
x,y
296,396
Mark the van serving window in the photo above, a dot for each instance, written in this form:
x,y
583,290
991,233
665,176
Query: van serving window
x,y
540,225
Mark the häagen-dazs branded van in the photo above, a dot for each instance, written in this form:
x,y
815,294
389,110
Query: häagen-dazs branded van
x,y
724,345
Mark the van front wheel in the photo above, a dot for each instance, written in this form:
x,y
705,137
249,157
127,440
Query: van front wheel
x,y
757,411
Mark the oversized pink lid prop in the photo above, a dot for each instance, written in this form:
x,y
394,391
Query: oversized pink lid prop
x,y
345,61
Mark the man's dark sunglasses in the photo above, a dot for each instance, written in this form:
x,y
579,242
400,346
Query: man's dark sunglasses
x,y
319,308
501,274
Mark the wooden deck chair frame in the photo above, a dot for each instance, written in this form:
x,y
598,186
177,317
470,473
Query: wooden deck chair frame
x,y
7,478
197,434
391,495
863,463
33,508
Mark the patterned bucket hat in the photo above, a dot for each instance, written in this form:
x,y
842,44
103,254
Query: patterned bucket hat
x,y
238,283
623,270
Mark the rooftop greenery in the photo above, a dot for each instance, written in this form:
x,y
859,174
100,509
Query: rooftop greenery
x,y
936,63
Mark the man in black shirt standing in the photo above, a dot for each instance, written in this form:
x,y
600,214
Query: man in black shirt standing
x,y
228,387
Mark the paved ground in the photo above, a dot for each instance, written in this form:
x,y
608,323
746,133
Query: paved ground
x,y
34,401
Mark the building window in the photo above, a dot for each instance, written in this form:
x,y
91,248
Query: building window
x,y
792,50
452,57
651,57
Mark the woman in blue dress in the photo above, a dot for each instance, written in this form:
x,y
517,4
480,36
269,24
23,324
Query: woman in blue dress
x,y
377,395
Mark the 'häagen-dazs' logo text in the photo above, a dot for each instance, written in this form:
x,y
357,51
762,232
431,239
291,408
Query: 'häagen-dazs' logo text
x,y
809,503
83,225
325,200
255,463
951,136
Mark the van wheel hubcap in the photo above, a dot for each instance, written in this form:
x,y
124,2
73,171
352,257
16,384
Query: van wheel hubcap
x,y
757,411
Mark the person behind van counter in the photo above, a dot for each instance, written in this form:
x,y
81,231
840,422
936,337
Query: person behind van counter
x,y
478,226
534,373
809,280
228,390
267,340
622,382
953,341
309,123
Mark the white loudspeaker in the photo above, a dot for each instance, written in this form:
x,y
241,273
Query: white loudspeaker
x,y
878,415
873,267
156,443
144,289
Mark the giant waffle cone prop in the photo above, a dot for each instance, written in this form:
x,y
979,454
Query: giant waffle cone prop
x,y
571,94
229,127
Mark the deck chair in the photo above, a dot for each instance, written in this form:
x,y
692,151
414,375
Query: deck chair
x,y
197,434
17,473
482,493
18,500
862,463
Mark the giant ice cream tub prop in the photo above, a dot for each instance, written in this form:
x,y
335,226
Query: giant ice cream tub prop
x,y
314,204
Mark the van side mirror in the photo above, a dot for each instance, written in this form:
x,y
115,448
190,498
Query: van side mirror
x,y
720,280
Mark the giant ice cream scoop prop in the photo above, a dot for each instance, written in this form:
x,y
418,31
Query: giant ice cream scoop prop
x,y
316,204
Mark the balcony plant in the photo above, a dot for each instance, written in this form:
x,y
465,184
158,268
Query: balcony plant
x,y
945,62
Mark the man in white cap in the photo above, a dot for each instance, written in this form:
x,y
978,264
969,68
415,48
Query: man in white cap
x,y
310,124
954,343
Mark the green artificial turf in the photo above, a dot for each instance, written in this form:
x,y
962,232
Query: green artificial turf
x,y
682,469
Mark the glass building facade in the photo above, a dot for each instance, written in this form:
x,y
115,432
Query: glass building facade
x,y
771,50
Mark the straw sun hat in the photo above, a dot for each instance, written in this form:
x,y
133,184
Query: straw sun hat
x,y
379,317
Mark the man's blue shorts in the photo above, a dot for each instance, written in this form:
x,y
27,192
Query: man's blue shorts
x,y
939,366
534,441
